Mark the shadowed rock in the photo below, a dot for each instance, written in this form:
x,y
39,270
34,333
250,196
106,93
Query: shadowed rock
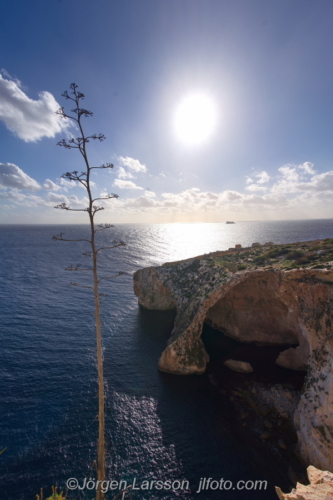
x,y
239,366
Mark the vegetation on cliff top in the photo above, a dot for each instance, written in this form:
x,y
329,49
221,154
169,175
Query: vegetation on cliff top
x,y
317,254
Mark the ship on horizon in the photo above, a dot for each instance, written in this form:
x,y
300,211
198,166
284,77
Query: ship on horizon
x,y
230,222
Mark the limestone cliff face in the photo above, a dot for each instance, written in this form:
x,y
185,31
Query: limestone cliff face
x,y
152,292
265,306
314,418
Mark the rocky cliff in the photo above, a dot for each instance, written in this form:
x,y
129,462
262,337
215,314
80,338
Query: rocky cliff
x,y
271,294
320,487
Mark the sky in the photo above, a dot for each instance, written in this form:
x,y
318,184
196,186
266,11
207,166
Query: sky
x,y
213,110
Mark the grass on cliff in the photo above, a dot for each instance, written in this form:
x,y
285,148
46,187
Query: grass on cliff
x,y
317,254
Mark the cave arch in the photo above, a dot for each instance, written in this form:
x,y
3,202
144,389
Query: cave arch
x,y
253,311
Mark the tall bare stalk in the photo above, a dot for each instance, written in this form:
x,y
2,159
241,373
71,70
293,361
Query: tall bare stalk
x,y
80,143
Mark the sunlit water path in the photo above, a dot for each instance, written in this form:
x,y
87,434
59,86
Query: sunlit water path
x,y
159,426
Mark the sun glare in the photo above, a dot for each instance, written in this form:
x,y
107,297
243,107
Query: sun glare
x,y
195,119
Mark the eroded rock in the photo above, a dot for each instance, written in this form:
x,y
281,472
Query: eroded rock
x,y
295,358
239,366
276,398
320,487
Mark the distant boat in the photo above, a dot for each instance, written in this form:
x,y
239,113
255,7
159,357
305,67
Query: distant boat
x,y
230,222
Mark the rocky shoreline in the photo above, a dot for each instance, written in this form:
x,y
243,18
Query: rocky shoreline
x,y
265,295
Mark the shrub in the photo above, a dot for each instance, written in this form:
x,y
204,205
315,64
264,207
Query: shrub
x,y
301,261
277,252
55,495
294,254
260,260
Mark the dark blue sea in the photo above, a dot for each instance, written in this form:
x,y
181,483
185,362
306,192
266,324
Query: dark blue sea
x,y
159,426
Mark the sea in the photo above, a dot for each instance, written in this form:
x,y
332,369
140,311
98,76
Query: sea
x,y
160,427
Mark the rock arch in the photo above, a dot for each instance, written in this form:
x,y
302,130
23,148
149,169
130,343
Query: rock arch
x,y
264,306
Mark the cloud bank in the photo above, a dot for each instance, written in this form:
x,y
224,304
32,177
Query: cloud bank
x,y
295,191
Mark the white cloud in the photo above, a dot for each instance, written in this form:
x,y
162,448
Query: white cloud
x,y
12,194
67,184
50,200
292,175
57,198
283,200
321,182
294,195
10,77
264,201
16,185
289,173
11,176
209,195
230,195
255,187
125,184
29,119
71,201
307,167
141,202
262,177
51,186
133,164
28,200
123,174
150,194
190,200
287,181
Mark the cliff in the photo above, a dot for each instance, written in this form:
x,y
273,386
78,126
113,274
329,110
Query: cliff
x,y
270,294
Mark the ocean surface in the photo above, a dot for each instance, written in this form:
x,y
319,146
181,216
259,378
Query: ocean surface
x,y
159,426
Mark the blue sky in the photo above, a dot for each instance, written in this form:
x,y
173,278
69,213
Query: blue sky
x,y
265,66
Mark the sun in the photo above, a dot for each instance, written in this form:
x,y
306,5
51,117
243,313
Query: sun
x,y
195,119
